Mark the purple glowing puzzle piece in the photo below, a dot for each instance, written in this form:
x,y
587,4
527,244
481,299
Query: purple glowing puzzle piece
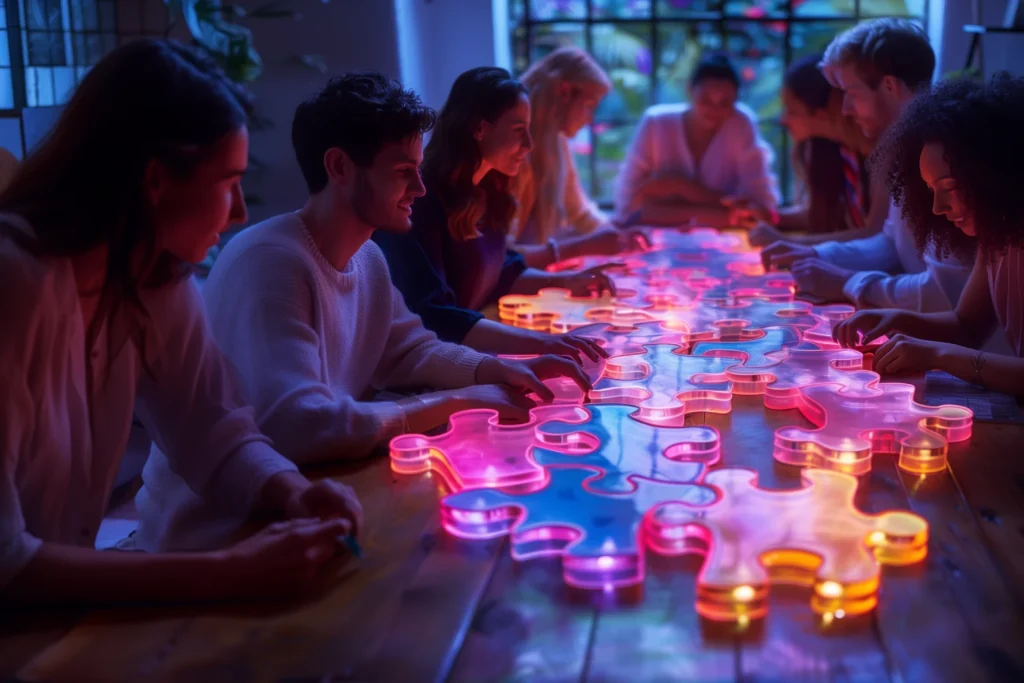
x,y
623,447
594,533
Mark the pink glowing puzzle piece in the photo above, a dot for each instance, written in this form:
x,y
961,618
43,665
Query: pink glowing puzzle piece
x,y
478,451
653,291
620,340
556,310
594,533
751,353
565,389
814,536
695,239
821,332
856,422
767,286
665,385
623,447
783,373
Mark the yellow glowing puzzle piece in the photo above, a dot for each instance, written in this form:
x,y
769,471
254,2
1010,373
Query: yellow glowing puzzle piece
x,y
813,536
556,310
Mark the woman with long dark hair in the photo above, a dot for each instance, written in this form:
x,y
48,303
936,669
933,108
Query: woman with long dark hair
x,y
828,158
138,179
456,261
953,165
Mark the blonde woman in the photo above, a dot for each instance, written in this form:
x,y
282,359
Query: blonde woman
x,y
555,218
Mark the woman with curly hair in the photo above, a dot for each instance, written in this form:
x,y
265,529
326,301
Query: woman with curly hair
x,y
953,166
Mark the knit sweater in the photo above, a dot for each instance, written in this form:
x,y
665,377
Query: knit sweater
x,y
311,345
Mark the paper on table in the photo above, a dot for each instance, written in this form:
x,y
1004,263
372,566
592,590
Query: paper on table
x,y
987,406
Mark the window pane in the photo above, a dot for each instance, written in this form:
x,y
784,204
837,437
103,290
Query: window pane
x,y
44,36
6,90
887,8
688,8
624,51
39,86
10,128
812,37
558,9
546,38
107,10
756,9
516,11
756,49
621,9
63,84
520,50
5,50
824,8
610,145
679,49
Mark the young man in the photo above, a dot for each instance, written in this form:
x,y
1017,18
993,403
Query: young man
x,y
880,66
303,306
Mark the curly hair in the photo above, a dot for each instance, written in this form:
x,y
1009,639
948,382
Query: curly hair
x,y
979,128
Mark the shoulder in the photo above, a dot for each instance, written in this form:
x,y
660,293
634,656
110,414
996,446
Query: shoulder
x,y
664,112
745,119
266,252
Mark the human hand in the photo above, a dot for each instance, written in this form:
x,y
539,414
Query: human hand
x,y
609,240
567,345
511,403
327,499
820,278
529,374
864,327
745,213
589,281
282,559
907,355
784,254
763,235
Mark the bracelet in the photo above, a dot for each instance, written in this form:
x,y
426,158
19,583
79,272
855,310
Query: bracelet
x,y
553,246
978,363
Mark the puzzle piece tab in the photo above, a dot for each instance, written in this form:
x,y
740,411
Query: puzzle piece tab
x,y
665,385
594,533
624,447
556,310
856,422
479,451
814,536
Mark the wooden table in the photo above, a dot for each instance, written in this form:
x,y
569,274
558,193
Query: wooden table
x,y
421,606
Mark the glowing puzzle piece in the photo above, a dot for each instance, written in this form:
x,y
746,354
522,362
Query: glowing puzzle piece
x,y
752,353
856,422
556,310
782,373
695,239
814,536
665,385
594,533
623,447
653,291
619,340
478,451
777,286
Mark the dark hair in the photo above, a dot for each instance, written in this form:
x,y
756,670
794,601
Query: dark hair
x,y
83,187
453,154
979,128
358,113
715,67
818,160
885,47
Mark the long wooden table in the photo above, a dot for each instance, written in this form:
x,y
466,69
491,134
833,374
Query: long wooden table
x,y
422,606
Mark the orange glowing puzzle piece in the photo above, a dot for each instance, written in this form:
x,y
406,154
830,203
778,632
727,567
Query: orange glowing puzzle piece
x,y
556,310
814,536
856,422
665,385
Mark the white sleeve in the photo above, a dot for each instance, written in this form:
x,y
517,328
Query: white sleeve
x,y
193,409
637,166
935,289
876,253
26,338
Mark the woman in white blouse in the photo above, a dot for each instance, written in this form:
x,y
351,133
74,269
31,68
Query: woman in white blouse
x,y
956,153
690,162
100,319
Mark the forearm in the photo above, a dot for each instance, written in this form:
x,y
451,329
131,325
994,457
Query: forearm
x,y
1004,374
426,412
491,337
537,255
794,218
941,326
63,574
530,281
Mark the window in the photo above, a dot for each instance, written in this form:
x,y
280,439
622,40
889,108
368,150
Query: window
x,y
648,48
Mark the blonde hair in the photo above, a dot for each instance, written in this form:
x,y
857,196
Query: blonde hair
x,y
543,79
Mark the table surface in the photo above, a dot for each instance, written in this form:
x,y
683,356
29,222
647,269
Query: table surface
x,y
422,606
